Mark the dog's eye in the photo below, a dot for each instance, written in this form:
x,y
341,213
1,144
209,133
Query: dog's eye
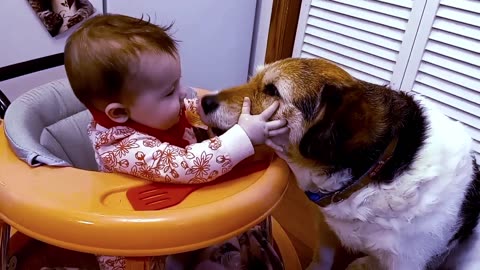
x,y
271,90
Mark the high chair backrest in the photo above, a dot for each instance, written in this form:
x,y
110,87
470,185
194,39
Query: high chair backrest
x,y
48,125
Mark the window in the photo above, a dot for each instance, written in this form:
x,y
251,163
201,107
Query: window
x,y
431,47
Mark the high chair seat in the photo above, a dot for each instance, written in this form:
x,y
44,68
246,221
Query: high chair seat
x,y
88,211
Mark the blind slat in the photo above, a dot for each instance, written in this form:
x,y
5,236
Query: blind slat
x,y
403,3
373,38
452,82
465,112
455,40
467,57
457,28
471,6
347,61
353,44
451,64
355,73
367,15
380,7
459,15
354,55
356,23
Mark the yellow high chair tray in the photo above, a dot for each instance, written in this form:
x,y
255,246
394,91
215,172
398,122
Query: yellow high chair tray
x,y
77,208
87,211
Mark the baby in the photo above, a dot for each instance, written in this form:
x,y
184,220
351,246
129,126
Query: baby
x,y
127,73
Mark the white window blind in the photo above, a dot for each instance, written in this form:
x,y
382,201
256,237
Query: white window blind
x,y
370,39
445,62
429,46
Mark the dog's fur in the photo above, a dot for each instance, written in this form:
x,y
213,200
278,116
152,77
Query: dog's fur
x,y
421,212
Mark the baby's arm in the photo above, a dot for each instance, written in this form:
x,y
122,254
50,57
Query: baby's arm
x,y
148,158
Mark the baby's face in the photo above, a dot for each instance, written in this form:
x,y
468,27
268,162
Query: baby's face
x,y
159,93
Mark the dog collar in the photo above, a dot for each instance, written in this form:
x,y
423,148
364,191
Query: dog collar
x,y
324,199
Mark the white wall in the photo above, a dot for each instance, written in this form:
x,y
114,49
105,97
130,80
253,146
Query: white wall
x,y
221,40
215,35
25,38
260,34
23,35
17,86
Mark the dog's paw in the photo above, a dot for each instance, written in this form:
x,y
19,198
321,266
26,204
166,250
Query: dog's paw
x,y
363,263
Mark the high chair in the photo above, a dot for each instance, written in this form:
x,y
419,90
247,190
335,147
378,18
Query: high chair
x,y
50,191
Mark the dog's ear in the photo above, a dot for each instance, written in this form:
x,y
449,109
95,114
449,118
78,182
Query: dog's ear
x,y
324,139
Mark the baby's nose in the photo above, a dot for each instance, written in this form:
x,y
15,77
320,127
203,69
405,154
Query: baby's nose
x,y
209,103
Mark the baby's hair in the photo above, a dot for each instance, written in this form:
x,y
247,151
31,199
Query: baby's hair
x,y
104,50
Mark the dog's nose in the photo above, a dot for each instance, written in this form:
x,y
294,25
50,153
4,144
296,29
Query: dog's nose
x,y
209,103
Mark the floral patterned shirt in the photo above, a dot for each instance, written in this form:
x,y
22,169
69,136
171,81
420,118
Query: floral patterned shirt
x,y
126,150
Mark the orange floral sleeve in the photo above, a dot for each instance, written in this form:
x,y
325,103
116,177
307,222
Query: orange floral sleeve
x,y
122,149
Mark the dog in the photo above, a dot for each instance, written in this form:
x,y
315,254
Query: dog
x,y
394,178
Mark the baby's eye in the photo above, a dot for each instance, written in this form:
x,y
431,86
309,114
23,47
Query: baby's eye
x,y
171,91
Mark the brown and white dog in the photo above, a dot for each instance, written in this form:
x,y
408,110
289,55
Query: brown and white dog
x,y
394,177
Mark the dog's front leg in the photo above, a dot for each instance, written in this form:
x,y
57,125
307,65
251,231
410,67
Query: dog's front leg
x,y
326,246
386,262
364,263
322,258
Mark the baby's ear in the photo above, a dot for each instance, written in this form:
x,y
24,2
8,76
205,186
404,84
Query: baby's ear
x,y
116,112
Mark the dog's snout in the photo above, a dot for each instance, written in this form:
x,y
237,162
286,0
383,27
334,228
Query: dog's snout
x,y
209,104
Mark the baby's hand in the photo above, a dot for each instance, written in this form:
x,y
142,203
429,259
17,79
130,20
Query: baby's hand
x,y
278,139
257,127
